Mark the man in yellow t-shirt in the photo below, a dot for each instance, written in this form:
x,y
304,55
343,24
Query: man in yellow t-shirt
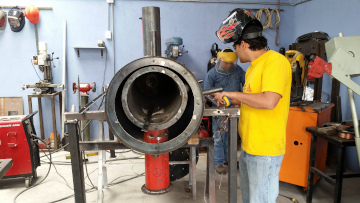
x,y
264,106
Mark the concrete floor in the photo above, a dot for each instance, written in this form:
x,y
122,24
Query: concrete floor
x,y
55,187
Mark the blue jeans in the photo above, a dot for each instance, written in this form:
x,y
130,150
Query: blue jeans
x,y
220,127
259,177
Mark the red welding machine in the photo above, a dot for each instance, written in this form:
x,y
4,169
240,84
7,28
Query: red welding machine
x,y
18,143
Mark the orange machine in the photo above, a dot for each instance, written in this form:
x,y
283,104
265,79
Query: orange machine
x,y
295,165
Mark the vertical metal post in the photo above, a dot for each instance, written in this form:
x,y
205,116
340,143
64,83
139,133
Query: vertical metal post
x,y
102,173
54,121
76,162
86,132
232,178
41,119
210,175
61,115
311,165
193,170
111,137
339,173
355,121
151,31
62,99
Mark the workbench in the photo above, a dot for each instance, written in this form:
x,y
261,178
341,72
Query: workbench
x,y
329,134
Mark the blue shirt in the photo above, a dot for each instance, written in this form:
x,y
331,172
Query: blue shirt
x,y
230,83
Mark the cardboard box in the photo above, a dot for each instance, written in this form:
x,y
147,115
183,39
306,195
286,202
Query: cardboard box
x,y
11,106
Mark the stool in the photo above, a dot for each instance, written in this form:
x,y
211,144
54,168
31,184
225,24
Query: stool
x,y
52,97
331,136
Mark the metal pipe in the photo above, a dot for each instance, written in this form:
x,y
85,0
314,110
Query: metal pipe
x,y
235,2
355,121
23,7
113,36
212,90
108,15
36,39
86,131
63,82
151,31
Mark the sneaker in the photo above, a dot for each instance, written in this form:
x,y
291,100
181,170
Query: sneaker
x,y
221,169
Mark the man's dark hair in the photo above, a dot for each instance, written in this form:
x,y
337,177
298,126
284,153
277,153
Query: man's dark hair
x,y
256,43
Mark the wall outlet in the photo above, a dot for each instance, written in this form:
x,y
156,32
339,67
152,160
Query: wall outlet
x,y
108,34
110,1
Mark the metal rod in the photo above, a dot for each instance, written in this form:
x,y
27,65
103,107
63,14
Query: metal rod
x,y
236,2
54,121
113,37
179,162
193,171
355,120
63,82
212,90
36,39
41,119
23,7
232,178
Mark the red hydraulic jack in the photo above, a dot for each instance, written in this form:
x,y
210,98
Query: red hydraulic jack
x,y
157,179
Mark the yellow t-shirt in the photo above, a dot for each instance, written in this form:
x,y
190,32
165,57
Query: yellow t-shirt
x,y
263,131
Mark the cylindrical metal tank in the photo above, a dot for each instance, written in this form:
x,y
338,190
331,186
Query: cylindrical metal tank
x,y
154,93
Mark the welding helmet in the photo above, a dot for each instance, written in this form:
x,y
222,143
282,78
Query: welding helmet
x,y
232,27
32,14
2,20
226,61
16,19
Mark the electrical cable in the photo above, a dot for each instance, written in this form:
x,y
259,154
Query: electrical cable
x,y
220,184
267,23
45,175
277,38
120,152
94,189
291,199
35,69
87,174
56,168
56,150
92,162
136,152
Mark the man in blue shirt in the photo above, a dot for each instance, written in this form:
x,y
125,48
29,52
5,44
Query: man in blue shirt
x,y
231,77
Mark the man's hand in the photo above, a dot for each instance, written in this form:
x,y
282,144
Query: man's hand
x,y
218,97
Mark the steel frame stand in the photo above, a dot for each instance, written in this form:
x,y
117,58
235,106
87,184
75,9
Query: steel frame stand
x,y
52,98
233,114
72,119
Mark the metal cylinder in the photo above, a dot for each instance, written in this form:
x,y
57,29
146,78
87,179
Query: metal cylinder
x,y
154,98
151,31
128,93
157,179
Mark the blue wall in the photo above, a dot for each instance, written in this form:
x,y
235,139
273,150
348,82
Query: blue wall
x,y
196,23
